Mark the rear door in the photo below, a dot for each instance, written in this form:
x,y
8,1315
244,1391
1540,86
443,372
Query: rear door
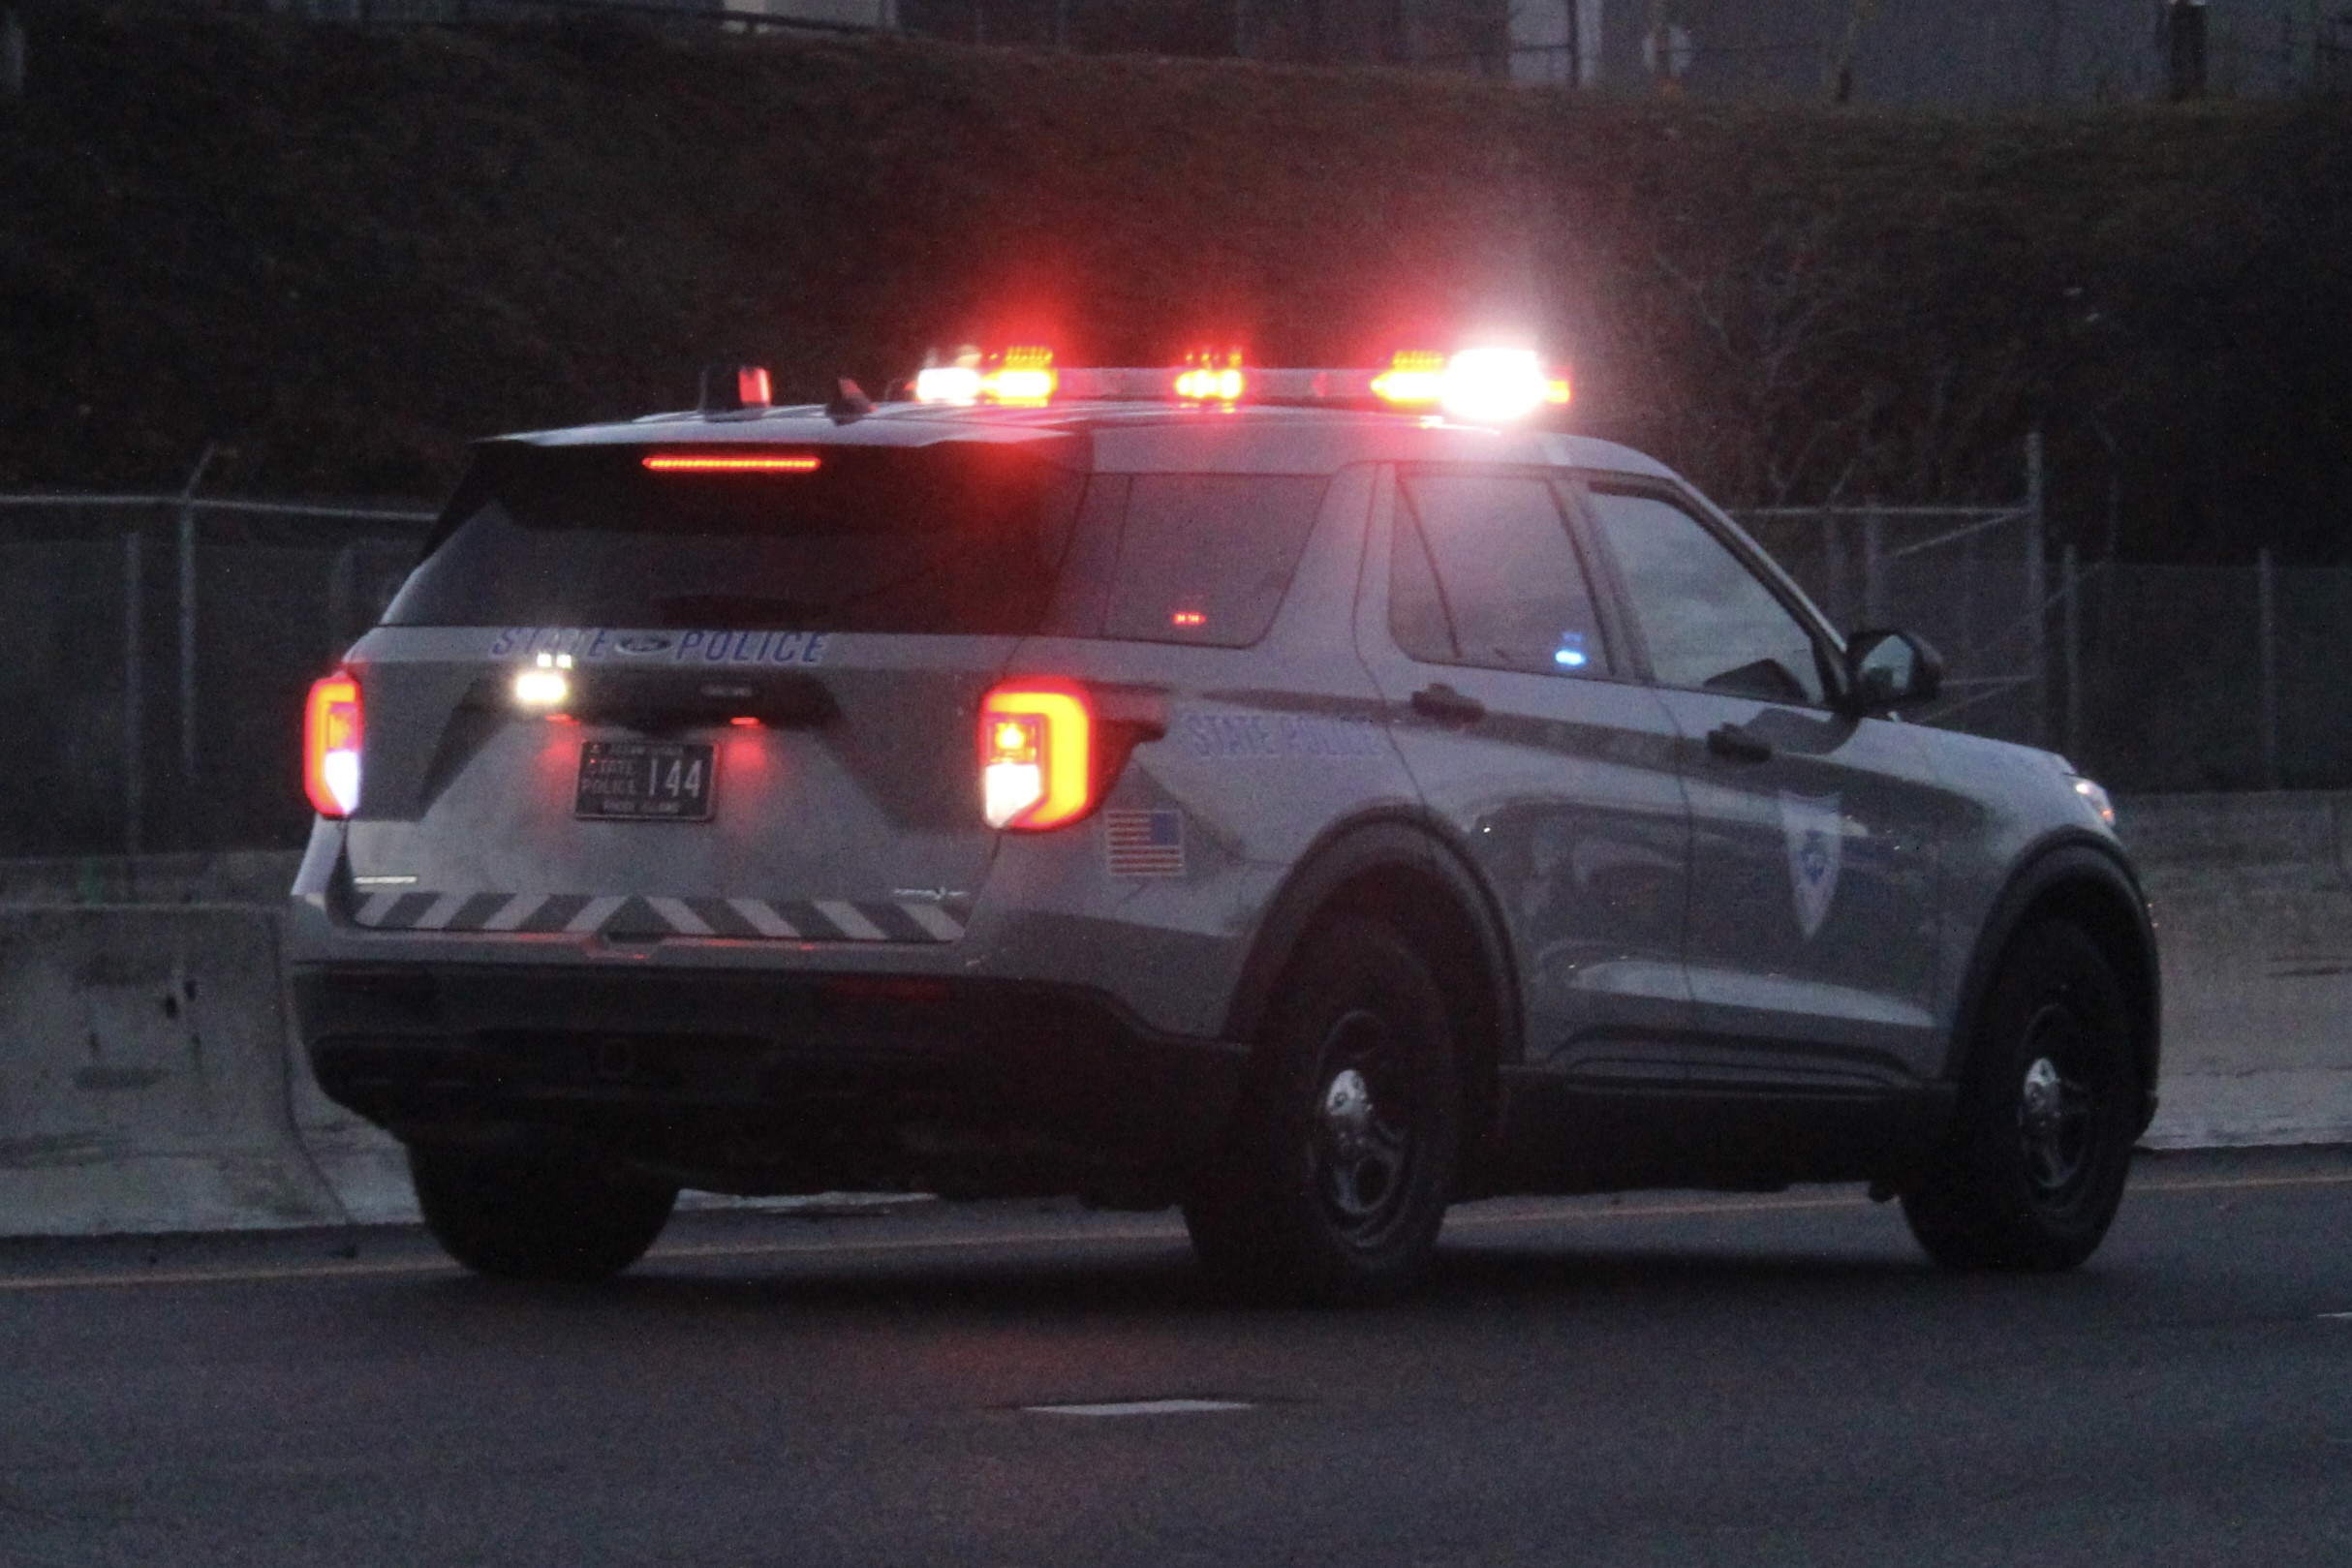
x,y
1811,939
767,673
1509,698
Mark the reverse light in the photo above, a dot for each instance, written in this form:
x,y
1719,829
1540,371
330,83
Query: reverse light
x,y
330,745
714,463
546,683
1037,755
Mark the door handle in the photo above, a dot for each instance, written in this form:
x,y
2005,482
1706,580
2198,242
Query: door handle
x,y
1448,706
1734,743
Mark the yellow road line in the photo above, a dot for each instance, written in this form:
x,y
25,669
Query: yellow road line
x,y
1166,1231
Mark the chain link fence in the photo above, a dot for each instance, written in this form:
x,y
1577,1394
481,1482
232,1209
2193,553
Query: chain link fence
x,y
154,656
155,652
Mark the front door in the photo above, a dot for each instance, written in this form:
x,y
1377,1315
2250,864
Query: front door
x,y
1812,937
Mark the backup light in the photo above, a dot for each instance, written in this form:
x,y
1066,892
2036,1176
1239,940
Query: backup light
x,y
330,745
545,685
1037,755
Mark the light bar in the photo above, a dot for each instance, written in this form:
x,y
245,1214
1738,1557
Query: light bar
x,y
1484,385
749,463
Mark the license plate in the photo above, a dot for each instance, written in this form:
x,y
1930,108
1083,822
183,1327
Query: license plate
x,y
643,781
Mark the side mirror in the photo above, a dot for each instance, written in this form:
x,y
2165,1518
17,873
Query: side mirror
x,y
1887,670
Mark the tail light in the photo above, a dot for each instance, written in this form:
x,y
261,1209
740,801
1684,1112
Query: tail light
x,y
330,745
1037,755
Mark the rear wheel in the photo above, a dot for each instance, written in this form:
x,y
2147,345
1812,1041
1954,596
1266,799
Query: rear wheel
x,y
2035,1166
529,1216
1343,1160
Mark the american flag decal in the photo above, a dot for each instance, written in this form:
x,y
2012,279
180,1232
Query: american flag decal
x,y
1144,844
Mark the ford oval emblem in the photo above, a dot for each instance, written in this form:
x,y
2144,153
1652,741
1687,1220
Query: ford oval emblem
x,y
643,642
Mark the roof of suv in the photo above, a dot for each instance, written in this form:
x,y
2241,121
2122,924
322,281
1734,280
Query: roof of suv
x,y
1136,437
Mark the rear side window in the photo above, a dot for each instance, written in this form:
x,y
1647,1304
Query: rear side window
x,y
1482,572
1202,557
957,537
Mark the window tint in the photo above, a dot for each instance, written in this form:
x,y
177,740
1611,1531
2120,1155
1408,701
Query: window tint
x,y
1206,557
1482,572
1709,621
956,537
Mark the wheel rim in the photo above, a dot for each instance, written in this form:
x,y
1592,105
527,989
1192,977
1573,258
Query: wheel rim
x,y
2056,1109
1363,1139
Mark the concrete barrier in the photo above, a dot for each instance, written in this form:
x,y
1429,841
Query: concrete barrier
x,y
149,1082
2252,897
145,1082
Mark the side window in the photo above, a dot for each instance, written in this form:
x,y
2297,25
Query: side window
x,y
1710,622
1206,557
1482,572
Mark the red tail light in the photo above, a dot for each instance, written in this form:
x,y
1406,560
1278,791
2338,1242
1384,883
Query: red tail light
x,y
1037,755
330,745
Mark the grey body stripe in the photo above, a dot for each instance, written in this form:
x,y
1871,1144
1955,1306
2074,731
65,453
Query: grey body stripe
x,y
849,922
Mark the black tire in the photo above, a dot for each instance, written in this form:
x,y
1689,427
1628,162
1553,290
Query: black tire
x,y
1341,1162
2034,1167
523,1217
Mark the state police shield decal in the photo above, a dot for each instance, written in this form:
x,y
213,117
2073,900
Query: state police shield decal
x,y
1814,829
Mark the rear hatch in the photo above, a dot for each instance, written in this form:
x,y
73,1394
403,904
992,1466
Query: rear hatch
x,y
758,669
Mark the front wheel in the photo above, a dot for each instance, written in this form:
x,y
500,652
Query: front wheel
x,y
2035,1165
532,1216
1336,1180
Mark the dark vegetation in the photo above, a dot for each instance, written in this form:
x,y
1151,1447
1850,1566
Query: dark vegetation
x,y
343,252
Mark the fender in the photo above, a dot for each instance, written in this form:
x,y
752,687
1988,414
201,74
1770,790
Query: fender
x,y
2068,872
1410,848
1401,842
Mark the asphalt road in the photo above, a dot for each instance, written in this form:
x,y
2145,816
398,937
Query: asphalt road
x,y
1663,1379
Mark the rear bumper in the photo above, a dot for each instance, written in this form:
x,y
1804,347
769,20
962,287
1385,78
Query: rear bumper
x,y
760,1083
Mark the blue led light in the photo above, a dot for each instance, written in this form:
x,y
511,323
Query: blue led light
x,y
1571,656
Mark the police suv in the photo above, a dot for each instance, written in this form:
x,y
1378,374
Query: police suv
x,y
1311,798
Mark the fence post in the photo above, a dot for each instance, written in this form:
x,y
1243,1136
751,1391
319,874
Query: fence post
x,y
2072,568
2266,609
134,696
1873,568
12,54
187,622
2038,588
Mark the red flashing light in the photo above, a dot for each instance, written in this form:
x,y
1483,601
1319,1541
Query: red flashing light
x,y
751,384
330,745
752,463
1188,617
744,720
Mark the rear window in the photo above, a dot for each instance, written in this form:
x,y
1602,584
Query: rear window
x,y
1188,558
957,537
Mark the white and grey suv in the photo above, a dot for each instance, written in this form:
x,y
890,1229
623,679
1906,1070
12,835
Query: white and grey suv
x,y
1308,815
